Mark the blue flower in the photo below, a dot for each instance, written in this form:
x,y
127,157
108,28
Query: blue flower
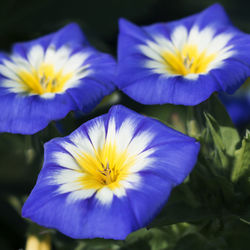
x,y
111,176
42,80
184,61
238,104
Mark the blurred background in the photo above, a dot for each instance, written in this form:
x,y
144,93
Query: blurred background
x,y
28,19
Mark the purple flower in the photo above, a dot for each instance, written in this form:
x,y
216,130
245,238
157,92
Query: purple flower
x,y
111,176
42,80
184,61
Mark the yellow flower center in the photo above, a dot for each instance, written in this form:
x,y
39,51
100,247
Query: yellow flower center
x,y
187,61
44,80
106,168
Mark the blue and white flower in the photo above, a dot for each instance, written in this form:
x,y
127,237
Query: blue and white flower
x,y
111,176
184,61
42,80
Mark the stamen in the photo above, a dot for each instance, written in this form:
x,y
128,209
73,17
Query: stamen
x,y
42,80
188,60
107,167
107,173
54,82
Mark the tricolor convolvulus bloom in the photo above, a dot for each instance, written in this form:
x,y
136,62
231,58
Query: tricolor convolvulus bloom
x,y
42,80
238,104
109,177
184,61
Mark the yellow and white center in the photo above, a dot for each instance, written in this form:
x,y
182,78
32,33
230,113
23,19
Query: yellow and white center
x,y
107,167
44,72
43,80
103,164
187,61
187,54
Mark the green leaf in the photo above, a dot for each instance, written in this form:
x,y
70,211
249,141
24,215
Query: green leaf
x,y
171,115
241,169
159,240
215,108
194,241
217,190
225,139
236,234
137,240
219,146
222,123
180,211
242,163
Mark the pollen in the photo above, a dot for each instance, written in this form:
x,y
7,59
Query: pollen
x,y
189,60
108,167
44,80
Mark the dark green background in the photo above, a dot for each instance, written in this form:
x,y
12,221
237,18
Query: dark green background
x,y
24,20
